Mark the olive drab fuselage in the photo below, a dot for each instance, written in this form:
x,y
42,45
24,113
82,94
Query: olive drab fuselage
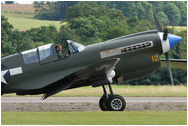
x,y
139,56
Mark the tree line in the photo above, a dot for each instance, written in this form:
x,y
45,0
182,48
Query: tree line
x,y
173,13
87,23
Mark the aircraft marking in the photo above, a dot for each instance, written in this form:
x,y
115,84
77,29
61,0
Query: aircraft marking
x,y
7,73
155,58
126,49
2,76
15,71
5,76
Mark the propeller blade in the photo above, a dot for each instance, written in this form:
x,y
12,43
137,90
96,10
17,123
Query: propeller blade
x,y
169,67
165,35
157,24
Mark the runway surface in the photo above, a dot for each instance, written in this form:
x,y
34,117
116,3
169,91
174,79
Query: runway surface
x,y
91,104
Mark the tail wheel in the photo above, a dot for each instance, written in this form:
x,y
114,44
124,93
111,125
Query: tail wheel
x,y
116,103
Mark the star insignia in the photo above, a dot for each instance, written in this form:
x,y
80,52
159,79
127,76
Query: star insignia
x,y
2,76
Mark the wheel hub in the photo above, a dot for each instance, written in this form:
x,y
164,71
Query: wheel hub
x,y
116,104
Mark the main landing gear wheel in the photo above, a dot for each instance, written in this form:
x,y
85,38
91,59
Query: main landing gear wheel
x,y
111,102
103,104
116,103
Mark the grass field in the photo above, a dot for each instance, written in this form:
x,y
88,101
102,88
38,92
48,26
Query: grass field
x,y
95,118
178,28
25,21
128,91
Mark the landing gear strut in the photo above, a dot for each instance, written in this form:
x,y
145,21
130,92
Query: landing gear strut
x,y
111,102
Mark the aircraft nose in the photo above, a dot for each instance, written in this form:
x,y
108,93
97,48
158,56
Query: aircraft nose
x,y
173,40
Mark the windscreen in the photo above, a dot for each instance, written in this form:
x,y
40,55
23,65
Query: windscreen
x,y
75,47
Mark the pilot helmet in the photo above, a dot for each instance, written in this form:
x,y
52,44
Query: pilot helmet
x,y
59,48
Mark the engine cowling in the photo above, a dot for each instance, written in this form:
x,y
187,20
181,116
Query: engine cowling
x,y
144,64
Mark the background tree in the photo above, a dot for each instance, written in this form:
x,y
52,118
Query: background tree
x,y
173,13
52,10
46,34
169,10
85,9
9,2
132,22
7,44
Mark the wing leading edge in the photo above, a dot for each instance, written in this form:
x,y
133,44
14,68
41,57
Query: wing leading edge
x,y
175,63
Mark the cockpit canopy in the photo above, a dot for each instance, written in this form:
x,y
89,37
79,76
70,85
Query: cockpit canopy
x,y
47,52
42,52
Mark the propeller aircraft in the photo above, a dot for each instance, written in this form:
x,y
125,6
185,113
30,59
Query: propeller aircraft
x,y
43,71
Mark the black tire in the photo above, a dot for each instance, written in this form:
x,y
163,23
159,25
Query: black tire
x,y
103,103
116,103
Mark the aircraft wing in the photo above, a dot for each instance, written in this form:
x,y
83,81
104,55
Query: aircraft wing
x,y
97,70
175,63
94,74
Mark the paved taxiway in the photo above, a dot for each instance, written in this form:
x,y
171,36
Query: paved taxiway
x,y
91,104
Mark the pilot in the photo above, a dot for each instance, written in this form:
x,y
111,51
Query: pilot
x,y
59,52
58,48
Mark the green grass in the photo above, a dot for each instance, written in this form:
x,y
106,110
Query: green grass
x,y
95,118
128,91
178,28
25,21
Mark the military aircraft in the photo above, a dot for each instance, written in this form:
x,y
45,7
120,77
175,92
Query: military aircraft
x,y
43,71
